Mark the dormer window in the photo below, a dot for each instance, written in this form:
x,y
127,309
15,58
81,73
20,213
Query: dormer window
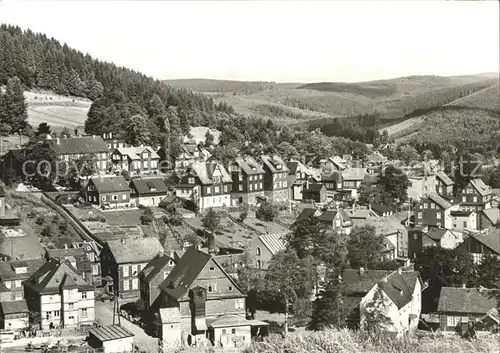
x,y
20,270
278,166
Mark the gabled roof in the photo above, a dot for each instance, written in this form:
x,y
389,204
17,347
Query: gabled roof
x,y
380,209
229,321
399,287
339,162
437,233
295,166
8,269
490,238
80,145
110,333
14,307
306,213
110,184
135,250
63,253
135,152
273,162
444,178
360,282
185,272
356,174
315,187
443,203
466,300
273,242
55,275
492,214
249,165
328,216
170,315
149,186
205,170
481,187
155,266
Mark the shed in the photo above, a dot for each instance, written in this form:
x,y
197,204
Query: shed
x,y
111,339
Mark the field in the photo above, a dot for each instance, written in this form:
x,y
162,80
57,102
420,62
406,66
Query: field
x,y
58,111
488,99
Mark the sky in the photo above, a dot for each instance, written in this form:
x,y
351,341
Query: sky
x,y
281,41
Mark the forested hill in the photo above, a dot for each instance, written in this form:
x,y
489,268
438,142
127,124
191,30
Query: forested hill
x,y
123,98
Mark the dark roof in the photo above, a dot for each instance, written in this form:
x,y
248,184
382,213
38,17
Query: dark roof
x,y
155,267
460,213
397,289
80,145
493,215
444,178
306,213
436,233
249,165
146,186
466,300
328,216
273,162
185,272
54,275
110,184
14,307
63,253
110,333
490,238
292,166
360,282
205,170
380,208
134,250
8,272
315,187
440,201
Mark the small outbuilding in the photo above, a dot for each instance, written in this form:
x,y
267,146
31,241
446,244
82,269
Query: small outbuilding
x,y
111,339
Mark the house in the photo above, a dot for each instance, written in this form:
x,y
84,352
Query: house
x,y
153,274
111,142
275,178
395,236
205,302
13,274
482,244
393,294
207,183
489,218
148,192
435,211
297,177
108,192
445,238
351,180
457,307
7,218
264,247
315,192
190,152
14,315
74,148
381,210
92,251
307,213
60,296
495,198
332,165
444,184
111,339
361,216
476,196
139,160
247,180
124,259
337,219
421,186
464,220
76,257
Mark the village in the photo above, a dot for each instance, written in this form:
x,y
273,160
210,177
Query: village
x,y
148,252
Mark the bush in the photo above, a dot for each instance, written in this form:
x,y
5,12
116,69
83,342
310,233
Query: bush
x,y
40,220
267,211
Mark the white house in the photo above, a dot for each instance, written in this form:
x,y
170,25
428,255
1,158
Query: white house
x,y
148,192
60,296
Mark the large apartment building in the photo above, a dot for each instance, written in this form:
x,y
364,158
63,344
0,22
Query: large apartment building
x,y
248,180
275,178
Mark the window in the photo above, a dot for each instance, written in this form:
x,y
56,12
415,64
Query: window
x,y
84,295
124,197
438,215
259,265
95,270
251,177
84,312
115,197
258,251
48,315
209,189
475,198
240,177
433,206
230,288
223,331
103,198
285,184
125,271
125,285
419,215
438,224
233,331
71,317
240,187
251,187
135,284
463,191
190,180
216,189
134,270
465,224
70,306
239,304
212,288
18,283
425,205
57,313
464,199
212,268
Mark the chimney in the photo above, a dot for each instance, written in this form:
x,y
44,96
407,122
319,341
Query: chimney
x,y
124,241
58,141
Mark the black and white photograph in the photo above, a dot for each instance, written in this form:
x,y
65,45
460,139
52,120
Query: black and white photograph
x,y
249,176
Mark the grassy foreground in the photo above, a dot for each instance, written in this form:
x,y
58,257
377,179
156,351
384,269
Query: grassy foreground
x,y
335,341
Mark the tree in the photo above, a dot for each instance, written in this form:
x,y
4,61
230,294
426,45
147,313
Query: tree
x,y
136,130
209,138
43,129
288,280
364,247
244,213
42,171
304,236
374,316
492,177
212,220
147,216
328,308
467,167
487,273
267,211
369,194
394,186
13,109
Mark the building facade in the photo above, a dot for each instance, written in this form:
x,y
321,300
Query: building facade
x,y
108,192
275,178
247,180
